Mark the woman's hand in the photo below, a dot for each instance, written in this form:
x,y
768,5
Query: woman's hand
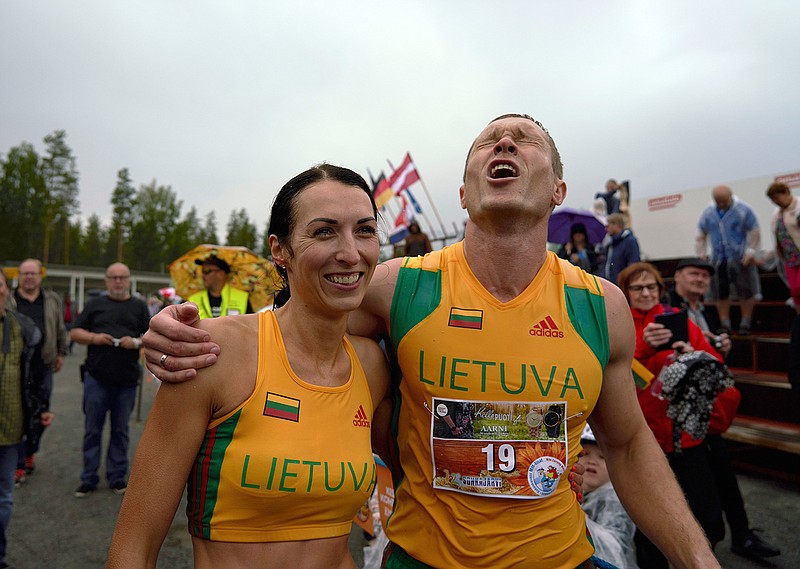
x,y
655,334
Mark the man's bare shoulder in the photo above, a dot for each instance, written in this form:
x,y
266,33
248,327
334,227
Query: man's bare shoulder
x,y
385,275
381,287
621,333
616,303
372,317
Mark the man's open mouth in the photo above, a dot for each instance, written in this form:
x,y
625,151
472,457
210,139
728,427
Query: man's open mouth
x,y
503,170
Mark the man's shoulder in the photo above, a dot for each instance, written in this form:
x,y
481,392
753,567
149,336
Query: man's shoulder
x,y
672,298
51,295
95,302
708,209
138,303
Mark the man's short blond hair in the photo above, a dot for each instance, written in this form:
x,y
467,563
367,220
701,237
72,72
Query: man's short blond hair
x,y
617,218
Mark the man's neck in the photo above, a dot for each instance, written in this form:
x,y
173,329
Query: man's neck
x,y
29,296
505,264
119,298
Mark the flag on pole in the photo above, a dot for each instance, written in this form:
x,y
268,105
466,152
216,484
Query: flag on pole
x,y
412,200
382,192
401,222
404,176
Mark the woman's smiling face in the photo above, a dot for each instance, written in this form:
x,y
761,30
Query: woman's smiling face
x,y
644,292
333,246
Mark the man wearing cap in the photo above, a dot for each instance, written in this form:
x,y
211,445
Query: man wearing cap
x,y
219,298
692,279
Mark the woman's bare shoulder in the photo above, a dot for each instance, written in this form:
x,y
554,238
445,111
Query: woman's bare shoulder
x,y
232,379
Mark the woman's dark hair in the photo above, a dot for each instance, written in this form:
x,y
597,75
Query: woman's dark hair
x,y
282,217
578,228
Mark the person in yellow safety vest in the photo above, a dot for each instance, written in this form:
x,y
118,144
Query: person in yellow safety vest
x,y
219,298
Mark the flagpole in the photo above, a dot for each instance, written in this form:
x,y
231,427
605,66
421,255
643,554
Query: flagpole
x,y
422,213
427,193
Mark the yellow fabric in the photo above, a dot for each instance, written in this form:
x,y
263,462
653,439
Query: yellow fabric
x,y
440,358
282,479
234,301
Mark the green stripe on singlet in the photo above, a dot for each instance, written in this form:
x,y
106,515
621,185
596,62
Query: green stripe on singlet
x,y
587,313
417,294
205,475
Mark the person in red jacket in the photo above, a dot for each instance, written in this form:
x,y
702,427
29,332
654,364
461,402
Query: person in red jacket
x,y
643,287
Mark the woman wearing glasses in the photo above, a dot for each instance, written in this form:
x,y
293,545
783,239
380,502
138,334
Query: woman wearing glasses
x,y
655,349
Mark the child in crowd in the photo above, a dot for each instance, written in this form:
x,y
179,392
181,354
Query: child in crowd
x,y
611,528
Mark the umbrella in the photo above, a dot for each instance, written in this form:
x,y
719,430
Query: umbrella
x,y
249,272
561,222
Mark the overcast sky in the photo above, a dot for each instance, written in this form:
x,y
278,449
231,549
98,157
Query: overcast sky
x,y
225,101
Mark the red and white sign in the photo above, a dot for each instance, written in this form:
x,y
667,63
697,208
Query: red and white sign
x,y
791,180
663,202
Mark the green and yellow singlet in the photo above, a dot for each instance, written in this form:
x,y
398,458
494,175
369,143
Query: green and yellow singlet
x,y
492,402
293,462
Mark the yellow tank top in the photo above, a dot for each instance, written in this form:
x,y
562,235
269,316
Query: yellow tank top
x,y
493,399
292,462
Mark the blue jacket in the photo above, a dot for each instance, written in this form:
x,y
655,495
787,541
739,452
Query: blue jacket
x,y
621,252
728,230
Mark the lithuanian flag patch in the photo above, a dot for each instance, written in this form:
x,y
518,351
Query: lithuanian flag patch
x,y
466,318
641,375
282,407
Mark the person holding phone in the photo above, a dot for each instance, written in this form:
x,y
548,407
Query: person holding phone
x,y
656,347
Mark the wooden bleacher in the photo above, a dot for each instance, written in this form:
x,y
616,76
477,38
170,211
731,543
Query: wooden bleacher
x,y
769,414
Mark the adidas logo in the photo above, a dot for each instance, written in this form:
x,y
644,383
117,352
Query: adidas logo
x,y
546,328
360,419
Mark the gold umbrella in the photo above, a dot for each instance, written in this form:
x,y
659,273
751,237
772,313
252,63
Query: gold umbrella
x,y
249,272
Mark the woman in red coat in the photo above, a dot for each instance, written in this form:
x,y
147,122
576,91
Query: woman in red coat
x,y
643,287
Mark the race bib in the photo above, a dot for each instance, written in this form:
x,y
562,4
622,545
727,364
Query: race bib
x,y
499,449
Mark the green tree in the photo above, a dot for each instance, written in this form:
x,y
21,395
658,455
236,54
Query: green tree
x,y
92,243
209,232
73,239
61,186
22,192
156,214
187,232
241,231
122,199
